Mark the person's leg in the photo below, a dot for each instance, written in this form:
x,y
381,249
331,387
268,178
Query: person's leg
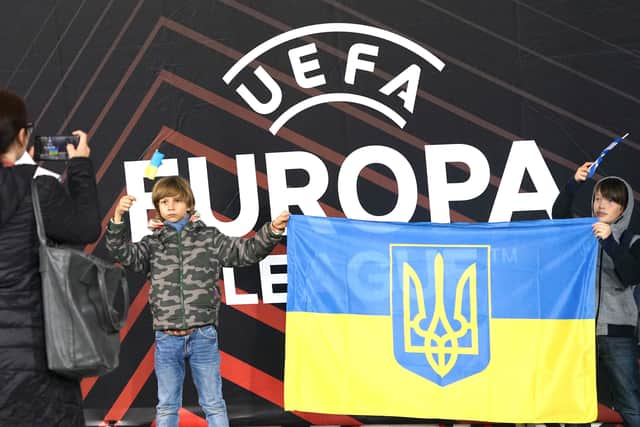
x,y
204,359
169,366
618,357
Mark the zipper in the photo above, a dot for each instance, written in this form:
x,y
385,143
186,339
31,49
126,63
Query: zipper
x,y
184,313
599,284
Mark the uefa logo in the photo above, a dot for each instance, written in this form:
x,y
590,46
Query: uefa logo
x,y
308,73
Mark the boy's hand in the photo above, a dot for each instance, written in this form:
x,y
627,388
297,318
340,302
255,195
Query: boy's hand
x,y
124,205
278,225
601,230
582,172
82,150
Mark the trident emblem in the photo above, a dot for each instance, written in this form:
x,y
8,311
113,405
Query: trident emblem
x,y
438,332
441,351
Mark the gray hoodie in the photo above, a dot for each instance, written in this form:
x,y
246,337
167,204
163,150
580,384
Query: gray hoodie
x,y
616,303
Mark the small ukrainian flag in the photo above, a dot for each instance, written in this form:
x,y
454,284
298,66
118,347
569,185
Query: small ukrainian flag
x,y
152,168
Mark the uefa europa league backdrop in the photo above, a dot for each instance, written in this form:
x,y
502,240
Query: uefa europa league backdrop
x,y
413,110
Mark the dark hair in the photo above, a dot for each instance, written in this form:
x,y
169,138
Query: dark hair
x,y
172,186
13,117
613,189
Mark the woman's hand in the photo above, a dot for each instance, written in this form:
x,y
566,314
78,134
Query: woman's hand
x,y
601,230
124,204
82,150
278,225
582,172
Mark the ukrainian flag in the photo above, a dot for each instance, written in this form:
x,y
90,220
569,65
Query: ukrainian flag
x,y
487,322
154,164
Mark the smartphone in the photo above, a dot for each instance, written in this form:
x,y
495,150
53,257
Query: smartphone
x,y
53,147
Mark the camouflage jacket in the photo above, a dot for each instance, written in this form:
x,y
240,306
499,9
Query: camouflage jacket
x,y
184,267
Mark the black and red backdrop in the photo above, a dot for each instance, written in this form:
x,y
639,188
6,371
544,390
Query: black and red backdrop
x,y
138,75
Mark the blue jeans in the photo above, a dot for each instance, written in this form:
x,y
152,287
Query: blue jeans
x,y
200,348
618,359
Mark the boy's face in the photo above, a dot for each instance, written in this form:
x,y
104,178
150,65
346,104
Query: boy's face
x,y
172,208
606,211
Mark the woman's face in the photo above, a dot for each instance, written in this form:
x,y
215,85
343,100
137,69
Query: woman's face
x,y
606,210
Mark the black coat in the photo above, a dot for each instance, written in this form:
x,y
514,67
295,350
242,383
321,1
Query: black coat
x,y
30,395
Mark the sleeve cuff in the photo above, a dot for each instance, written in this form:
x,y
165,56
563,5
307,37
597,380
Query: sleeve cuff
x,y
115,226
610,245
272,233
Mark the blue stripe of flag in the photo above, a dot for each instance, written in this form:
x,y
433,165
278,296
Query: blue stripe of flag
x,y
537,269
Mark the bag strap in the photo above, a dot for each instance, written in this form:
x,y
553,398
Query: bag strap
x,y
38,213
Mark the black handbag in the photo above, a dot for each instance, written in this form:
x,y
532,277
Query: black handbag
x,y
81,324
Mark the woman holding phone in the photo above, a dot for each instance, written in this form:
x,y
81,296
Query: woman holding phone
x,y
30,394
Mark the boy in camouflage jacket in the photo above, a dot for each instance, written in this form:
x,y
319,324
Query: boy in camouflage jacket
x,y
182,258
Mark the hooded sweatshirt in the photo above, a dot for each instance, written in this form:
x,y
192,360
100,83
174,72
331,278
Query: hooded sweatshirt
x,y
618,269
